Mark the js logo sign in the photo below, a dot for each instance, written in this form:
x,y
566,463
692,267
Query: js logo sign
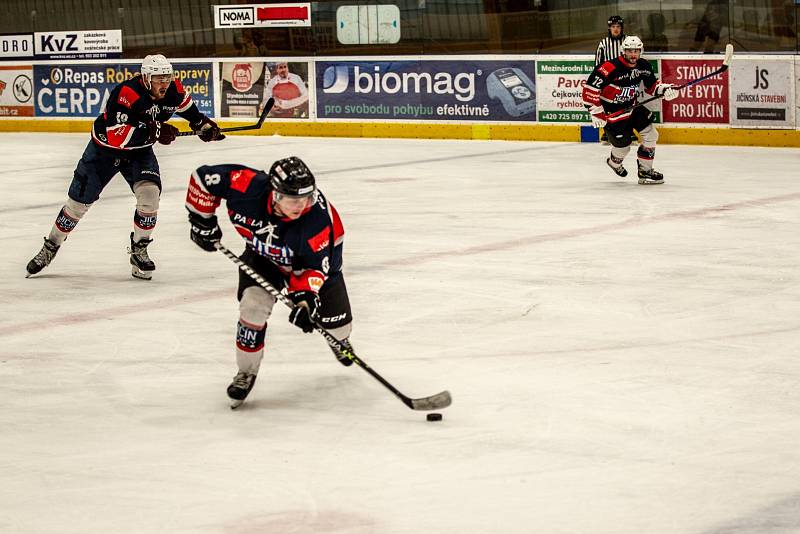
x,y
761,79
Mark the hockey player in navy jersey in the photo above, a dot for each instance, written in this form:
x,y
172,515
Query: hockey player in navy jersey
x,y
610,89
294,239
133,120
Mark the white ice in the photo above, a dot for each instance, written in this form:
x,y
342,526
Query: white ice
x,y
622,358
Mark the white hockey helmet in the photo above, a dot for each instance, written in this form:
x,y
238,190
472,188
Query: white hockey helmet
x,y
632,42
155,65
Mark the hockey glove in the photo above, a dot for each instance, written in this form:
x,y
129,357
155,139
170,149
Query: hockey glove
x,y
667,90
167,134
153,131
597,116
205,231
208,130
304,314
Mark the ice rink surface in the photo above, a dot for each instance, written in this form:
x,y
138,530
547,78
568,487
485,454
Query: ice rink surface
x,y
622,358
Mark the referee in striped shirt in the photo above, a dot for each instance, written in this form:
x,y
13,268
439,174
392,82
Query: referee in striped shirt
x,y
609,48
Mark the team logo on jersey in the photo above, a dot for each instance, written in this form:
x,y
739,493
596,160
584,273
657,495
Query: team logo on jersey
x,y
280,255
625,94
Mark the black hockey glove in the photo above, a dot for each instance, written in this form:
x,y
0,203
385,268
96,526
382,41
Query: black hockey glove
x,y
208,130
153,131
167,134
304,314
205,231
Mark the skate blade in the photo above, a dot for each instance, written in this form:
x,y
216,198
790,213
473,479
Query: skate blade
x,y
140,274
650,182
236,403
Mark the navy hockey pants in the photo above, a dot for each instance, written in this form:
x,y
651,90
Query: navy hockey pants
x,y
334,303
99,165
620,134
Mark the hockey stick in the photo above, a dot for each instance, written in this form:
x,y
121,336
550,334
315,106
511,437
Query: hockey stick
x,y
434,402
725,64
256,126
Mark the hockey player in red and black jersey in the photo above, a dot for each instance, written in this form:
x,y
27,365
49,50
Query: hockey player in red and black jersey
x,y
294,239
610,89
133,120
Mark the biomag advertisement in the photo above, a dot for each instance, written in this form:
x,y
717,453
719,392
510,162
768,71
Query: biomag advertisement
x,y
81,90
246,86
762,93
16,91
440,90
704,102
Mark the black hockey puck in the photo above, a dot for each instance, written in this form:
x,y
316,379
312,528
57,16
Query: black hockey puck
x,y
434,417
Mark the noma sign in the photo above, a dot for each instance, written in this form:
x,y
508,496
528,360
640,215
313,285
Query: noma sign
x,y
262,15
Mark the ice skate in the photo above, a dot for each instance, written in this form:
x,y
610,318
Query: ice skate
x,y
141,265
42,258
619,170
240,387
650,176
340,356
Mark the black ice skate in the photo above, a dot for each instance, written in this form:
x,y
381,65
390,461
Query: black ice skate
x,y
619,170
650,176
42,258
240,387
340,356
141,264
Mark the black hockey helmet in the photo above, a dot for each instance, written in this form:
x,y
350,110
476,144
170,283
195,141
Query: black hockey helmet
x,y
291,177
616,19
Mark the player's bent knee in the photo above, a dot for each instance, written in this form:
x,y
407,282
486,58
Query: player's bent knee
x,y
342,332
255,306
147,196
76,209
649,136
622,140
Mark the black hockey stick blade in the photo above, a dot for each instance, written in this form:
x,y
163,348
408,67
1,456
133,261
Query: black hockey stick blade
x,y
256,126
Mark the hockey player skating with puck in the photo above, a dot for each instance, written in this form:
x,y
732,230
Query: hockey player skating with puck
x,y
294,239
133,120
609,91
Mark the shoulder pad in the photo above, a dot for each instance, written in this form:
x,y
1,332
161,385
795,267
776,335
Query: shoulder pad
x,y
241,178
127,96
606,68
